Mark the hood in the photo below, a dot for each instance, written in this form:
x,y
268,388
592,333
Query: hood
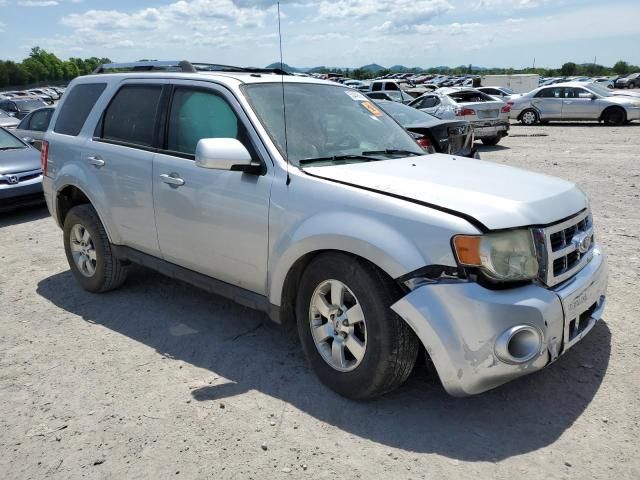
x,y
495,195
624,100
626,93
22,160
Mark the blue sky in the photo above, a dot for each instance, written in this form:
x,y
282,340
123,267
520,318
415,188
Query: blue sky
x,y
346,33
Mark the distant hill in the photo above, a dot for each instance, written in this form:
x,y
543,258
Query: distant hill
x,y
372,67
285,67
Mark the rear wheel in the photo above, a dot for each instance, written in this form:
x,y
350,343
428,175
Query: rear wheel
x,y
355,343
529,117
89,253
491,140
614,116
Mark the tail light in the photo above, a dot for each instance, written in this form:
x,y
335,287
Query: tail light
x,y
463,112
426,144
506,108
44,156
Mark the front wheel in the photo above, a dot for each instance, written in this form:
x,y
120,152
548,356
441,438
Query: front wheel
x,y
89,253
353,340
614,116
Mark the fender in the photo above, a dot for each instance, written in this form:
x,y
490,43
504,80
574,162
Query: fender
x,y
72,175
347,232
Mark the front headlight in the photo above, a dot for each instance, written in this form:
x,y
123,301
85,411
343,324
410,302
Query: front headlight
x,y
504,256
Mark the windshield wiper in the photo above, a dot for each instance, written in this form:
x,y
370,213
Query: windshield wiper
x,y
336,158
11,148
390,151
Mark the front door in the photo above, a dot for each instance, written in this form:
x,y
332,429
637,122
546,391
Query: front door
x,y
579,104
214,222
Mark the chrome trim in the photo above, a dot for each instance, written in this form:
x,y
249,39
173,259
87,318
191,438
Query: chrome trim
x,y
4,178
547,256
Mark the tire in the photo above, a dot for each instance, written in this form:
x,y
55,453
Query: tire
x,y
491,140
387,345
632,85
529,117
89,253
614,116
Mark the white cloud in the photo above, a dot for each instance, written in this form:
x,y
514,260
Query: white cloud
x,y
37,3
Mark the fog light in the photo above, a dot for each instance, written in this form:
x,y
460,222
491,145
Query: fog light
x,y
519,344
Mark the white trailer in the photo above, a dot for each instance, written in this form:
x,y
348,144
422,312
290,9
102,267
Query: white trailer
x,y
520,83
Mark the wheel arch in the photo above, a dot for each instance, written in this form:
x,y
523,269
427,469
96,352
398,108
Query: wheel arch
x,y
613,107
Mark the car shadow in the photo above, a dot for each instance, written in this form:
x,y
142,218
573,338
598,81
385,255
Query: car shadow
x,y
588,124
249,353
23,215
491,148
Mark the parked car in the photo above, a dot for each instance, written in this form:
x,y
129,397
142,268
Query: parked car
x,y
7,121
453,137
488,115
20,173
46,97
502,93
391,95
33,127
630,81
20,107
341,227
574,101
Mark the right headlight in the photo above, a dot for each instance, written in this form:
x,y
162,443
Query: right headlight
x,y
503,257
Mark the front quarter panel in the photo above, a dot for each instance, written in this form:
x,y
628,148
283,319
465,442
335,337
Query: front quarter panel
x,y
313,214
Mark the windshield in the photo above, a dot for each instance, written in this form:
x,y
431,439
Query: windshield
x,y
327,122
406,115
8,141
600,90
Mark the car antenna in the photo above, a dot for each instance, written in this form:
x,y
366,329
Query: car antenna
x,y
284,107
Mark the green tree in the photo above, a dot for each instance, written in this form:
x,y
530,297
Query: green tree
x,y
621,67
569,69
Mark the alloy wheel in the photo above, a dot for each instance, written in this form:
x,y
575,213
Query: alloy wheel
x,y
529,118
83,250
338,325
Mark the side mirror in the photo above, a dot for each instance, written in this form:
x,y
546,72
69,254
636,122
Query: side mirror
x,y
225,154
594,96
29,140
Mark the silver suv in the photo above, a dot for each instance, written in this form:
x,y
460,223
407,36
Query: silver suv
x,y
333,220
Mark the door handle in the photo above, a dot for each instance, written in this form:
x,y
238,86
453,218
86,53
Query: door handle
x,y
172,179
96,161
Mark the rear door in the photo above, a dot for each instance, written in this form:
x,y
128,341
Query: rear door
x,y
214,222
579,104
120,155
548,102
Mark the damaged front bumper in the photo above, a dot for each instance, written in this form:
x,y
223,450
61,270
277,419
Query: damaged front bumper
x,y
464,326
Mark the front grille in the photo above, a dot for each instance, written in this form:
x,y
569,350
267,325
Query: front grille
x,y
20,177
565,248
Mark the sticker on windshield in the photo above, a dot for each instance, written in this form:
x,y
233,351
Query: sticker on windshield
x,y
372,108
356,96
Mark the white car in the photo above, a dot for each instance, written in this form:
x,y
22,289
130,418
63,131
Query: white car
x,y
488,115
574,101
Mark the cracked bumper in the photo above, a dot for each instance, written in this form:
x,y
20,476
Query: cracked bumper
x,y
459,323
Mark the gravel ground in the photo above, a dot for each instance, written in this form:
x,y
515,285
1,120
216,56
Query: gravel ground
x,y
160,380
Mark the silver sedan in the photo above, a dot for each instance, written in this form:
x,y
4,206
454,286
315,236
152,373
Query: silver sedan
x,y
574,101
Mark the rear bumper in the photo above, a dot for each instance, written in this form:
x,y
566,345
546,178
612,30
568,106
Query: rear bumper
x,y
463,325
490,129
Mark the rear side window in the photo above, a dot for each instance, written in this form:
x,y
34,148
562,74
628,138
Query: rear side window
x,y
131,115
77,106
40,120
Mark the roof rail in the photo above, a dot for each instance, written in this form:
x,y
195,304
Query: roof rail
x,y
181,66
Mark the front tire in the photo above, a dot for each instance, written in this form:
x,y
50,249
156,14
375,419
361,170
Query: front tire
x,y
614,116
89,253
355,343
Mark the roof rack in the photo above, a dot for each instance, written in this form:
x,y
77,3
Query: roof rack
x,y
181,66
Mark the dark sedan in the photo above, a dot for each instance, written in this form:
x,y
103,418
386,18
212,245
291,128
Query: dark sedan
x,y
454,137
20,107
20,173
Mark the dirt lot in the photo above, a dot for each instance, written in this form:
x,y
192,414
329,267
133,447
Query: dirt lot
x,y
159,380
